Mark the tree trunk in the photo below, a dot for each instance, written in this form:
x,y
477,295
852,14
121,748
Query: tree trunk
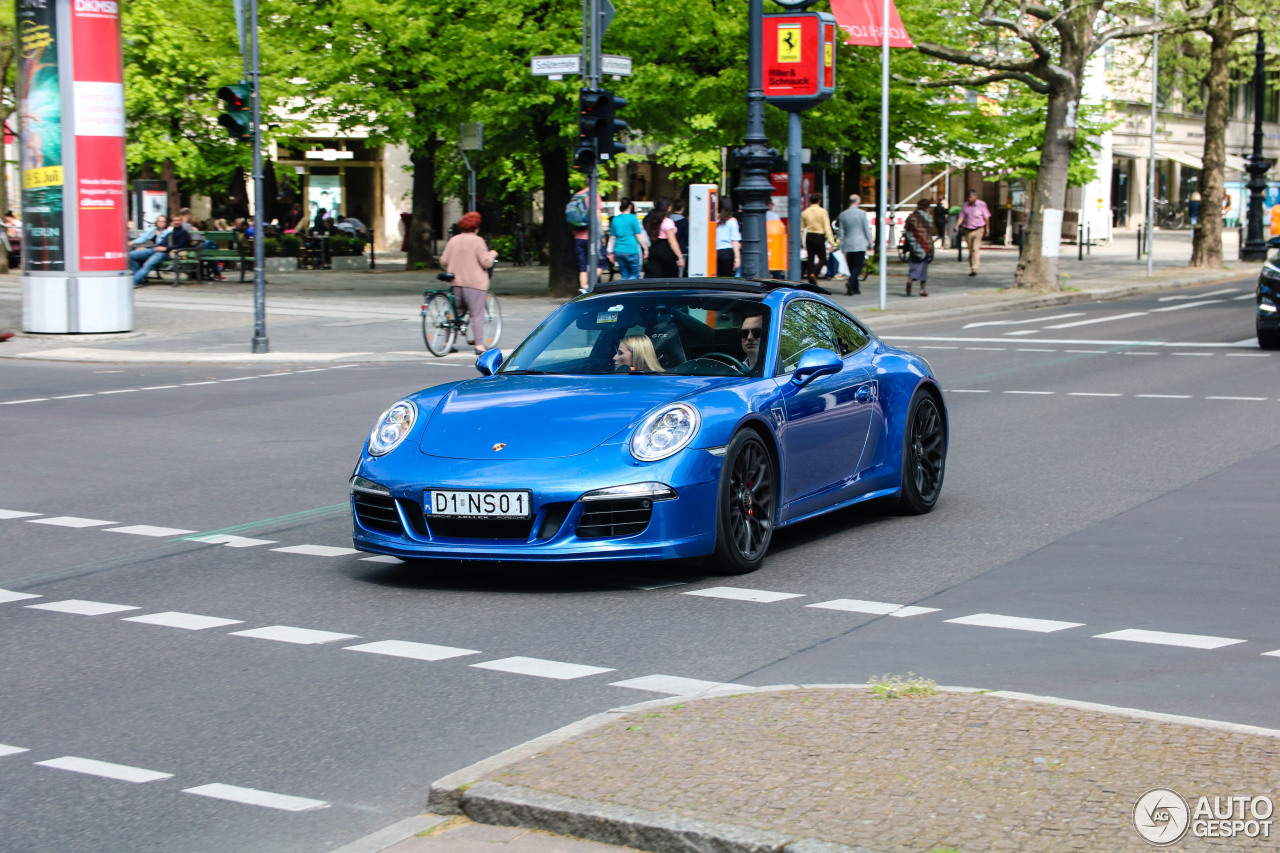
x,y
563,261
170,179
1038,261
1206,246
423,158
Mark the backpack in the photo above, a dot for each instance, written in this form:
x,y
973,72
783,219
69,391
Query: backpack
x,y
575,212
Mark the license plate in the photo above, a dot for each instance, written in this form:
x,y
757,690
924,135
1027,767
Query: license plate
x,y
474,504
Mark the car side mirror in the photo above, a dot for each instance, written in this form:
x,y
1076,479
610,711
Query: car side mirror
x,y
489,361
814,363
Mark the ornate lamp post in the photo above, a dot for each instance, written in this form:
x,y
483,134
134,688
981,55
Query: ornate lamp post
x,y
755,156
1255,241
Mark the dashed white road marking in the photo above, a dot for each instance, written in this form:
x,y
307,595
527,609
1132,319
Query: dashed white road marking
x,y
83,608
231,541
1091,322
1021,322
6,749
286,634
18,402
1164,638
937,347
1186,305
415,651
89,766
1092,351
157,387
1248,399
1024,332
254,797
149,530
1276,653
1033,349
969,391
739,594
17,513
317,550
120,391
876,608
207,382
187,621
1245,296
1248,355
1185,296
70,521
70,396
1092,394
1134,352
6,595
988,349
674,685
1164,396
542,668
1015,623
1039,393
1206,354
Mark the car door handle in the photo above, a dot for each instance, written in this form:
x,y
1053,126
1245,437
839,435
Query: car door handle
x,y
863,394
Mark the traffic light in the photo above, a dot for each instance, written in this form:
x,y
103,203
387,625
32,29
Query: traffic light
x,y
237,119
584,153
610,126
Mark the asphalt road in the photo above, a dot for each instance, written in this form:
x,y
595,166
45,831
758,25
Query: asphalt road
x,y
1112,469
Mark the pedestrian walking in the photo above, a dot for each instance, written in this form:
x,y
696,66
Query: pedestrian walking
x,y
855,239
682,231
1193,206
665,257
940,215
469,259
815,224
628,245
974,216
582,233
728,241
918,233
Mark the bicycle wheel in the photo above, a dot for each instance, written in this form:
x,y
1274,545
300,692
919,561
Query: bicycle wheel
x,y
492,320
439,325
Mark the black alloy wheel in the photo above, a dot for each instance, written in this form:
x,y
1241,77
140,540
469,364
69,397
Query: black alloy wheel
x,y
924,454
745,506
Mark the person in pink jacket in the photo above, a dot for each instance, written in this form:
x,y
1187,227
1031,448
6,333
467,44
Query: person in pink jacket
x,y
469,259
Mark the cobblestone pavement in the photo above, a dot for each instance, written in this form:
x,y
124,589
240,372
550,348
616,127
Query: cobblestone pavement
x,y
462,836
953,771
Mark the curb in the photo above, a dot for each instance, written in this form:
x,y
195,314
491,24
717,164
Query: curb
x,y
469,792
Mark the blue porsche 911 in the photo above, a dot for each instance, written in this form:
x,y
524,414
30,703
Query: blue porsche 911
x,y
655,419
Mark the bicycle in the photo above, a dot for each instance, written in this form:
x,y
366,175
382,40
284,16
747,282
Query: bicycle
x,y
442,323
1169,216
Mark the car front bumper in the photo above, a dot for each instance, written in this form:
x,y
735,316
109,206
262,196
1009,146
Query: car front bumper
x,y
559,529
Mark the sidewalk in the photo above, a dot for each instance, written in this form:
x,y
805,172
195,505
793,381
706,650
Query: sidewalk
x,y
373,315
840,769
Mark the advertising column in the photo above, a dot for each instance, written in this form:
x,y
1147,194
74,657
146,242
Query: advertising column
x,y
71,86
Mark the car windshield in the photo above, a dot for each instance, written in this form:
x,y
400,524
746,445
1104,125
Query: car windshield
x,y
687,334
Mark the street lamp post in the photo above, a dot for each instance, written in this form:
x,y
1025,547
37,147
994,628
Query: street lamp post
x,y
1255,242
755,157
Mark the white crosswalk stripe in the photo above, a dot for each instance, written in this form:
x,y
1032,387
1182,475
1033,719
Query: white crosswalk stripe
x,y
254,797
7,595
83,608
286,634
231,541
414,651
1165,638
149,530
1014,623
317,550
6,749
875,608
16,513
70,521
542,668
674,685
187,621
89,766
739,594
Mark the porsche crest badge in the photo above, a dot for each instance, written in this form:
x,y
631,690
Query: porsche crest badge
x,y
498,447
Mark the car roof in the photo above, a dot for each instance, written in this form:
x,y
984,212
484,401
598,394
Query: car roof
x,y
755,286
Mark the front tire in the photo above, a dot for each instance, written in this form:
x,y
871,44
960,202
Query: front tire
x,y
438,327
924,455
745,505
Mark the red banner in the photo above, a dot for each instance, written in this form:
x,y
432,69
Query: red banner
x,y
101,205
861,22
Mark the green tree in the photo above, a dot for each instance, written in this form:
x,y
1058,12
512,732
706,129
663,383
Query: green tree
x,y
1045,47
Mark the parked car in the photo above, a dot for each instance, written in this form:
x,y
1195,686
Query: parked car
x,y
1268,320
655,419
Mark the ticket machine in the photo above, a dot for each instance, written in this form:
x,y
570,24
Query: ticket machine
x,y
703,203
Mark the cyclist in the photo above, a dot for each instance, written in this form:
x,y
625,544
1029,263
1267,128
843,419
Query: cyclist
x,y
469,259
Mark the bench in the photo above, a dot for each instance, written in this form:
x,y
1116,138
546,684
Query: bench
x,y
228,248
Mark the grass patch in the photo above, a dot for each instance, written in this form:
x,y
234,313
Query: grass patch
x,y
895,686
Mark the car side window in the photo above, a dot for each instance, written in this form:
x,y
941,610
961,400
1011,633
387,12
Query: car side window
x,y
805,325
851,336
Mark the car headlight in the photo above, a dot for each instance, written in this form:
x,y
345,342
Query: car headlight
x,y
392,427
1270,272
667,431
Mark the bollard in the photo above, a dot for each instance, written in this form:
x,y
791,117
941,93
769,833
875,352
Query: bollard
x,y
960,245
1140,242
1088,239
1079,242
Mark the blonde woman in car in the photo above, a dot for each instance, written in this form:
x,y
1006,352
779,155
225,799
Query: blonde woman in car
x,y
636,352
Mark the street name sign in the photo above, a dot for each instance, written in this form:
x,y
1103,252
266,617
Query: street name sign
x,y
555,66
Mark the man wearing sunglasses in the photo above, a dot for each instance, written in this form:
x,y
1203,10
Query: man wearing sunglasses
x,y
752,333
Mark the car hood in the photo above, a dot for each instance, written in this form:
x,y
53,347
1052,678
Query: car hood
x,y
542,417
